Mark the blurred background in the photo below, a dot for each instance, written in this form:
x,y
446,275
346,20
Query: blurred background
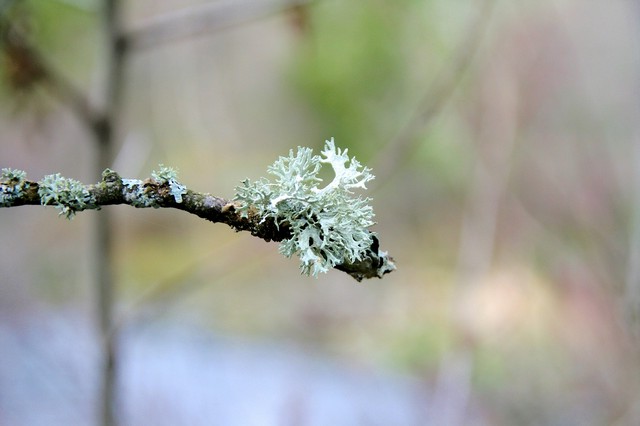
x,y
505,141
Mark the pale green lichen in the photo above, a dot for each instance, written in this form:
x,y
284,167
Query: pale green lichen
x,y
328,224
12,184
67,195
12,175
142,194
136,194
169,175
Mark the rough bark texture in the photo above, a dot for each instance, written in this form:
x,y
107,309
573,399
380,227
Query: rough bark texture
x,y
113,190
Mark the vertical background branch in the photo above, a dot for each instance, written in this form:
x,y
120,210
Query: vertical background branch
x,y
632,284
104,129
493,156
32,68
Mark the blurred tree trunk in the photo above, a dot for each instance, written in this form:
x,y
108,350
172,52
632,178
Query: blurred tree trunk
x,y
104,128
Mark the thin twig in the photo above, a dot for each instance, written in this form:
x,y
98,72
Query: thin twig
x,y
488,182
401,148
53,80
205,19
632,281
168,291
114,190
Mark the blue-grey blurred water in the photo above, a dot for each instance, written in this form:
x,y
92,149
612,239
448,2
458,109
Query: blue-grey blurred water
x,y
181,375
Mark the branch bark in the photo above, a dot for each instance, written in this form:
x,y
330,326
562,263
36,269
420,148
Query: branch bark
x,y
161,193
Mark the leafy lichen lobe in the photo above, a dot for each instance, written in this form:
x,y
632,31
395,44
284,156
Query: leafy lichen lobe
x,y
66,194
329,225
169,176
12,183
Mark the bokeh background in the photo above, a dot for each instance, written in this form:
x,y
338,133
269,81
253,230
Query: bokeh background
x,y
504,138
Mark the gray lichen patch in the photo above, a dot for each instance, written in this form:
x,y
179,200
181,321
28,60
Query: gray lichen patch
x,y
169,176
12,185
67,195
329,224
136,194
152,192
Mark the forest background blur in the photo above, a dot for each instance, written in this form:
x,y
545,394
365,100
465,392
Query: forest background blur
x,y
504,140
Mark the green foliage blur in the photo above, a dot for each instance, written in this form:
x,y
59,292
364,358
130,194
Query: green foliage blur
x,y
363,67
64,36
352,69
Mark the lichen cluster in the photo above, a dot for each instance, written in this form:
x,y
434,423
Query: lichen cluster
x,y
138,193
66,194
329,225
135,194
12,184
169,175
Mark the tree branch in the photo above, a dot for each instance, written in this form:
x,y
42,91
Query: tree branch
x,y
31,67
403,145
164,191
204,19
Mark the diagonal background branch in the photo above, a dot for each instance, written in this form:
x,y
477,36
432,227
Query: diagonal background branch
x,y
32,67
404,144
204,19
